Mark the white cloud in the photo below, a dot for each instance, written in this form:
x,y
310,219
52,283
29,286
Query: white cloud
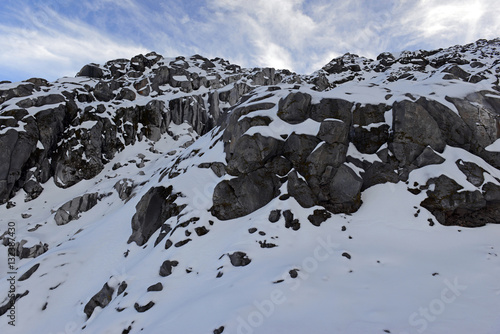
x,y
301,35
51,46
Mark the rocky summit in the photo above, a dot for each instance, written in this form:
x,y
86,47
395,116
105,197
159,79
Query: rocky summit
x,y
191,195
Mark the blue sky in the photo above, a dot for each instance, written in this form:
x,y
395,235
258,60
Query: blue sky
x,y
55,38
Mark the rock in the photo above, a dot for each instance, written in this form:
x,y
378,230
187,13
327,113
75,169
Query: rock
x,y
143,308
451,206
333,132
166,268
251,153
294,224
124,188
297,148
324,156
428,157
378,173
473,172
126,94
154,208
243,195
345,191
299,189
414,129
103,92
294,108
274,216
318,217
30,272
91,70
458,72
279,165
71,210
33,189
156,287
101,299
29,252
239,259
332,108
453,128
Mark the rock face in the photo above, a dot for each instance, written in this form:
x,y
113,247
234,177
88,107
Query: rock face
x,y
298,137
71,210
101,299
154,208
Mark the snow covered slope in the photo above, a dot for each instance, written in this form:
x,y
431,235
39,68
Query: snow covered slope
x,y
189,195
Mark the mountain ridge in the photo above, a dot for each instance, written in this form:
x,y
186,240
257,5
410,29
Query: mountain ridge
x,y
175,180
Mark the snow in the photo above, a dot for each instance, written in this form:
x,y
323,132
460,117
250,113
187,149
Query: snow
x,y
403,275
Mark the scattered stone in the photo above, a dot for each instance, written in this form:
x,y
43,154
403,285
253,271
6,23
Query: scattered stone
x,y
101,299
274,216
318,217
143,308
166,268
239,259
156,287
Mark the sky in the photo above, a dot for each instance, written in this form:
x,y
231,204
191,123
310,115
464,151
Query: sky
x,y
55,38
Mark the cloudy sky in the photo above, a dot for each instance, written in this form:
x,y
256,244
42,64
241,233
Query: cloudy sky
x,y
55,38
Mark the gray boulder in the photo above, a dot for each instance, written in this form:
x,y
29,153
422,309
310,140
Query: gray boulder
x,y
414,129
154,208
299,189
101,299
91,70
294,108
243,195
345,191
71,210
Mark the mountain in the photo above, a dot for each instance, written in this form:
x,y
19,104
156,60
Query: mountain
x,y
190,195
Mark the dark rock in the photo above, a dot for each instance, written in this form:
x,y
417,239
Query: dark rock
x,y
279,165
453,128
252,230
333,132
156,287
101,299
122,287
124,188
200,231
294,108
143,308
379,173
325,156
12,301
428,157
332,108
318,217
219,330
166,267
473,172
293,273
242,195
274,216
451,206
346,255
458,72
91,70
239,259
252,152
33,189
299,189
154,208
126,94
103,92
414,129
71,210
30,272
345,191
297,148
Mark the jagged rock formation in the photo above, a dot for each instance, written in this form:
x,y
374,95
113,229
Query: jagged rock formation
x,y
182,176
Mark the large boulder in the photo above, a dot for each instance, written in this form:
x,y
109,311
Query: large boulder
x,y
71,210
154,208
414,130
243,195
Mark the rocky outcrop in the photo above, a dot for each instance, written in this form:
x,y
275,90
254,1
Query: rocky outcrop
x,y
101,299
71,210
154,208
